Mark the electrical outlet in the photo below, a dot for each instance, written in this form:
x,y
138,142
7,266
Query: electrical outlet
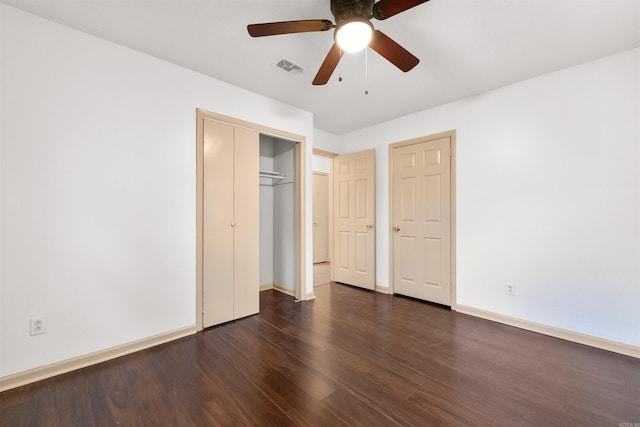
x,y
38,325
511,289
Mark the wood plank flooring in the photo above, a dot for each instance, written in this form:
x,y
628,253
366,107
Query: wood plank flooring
x,y
350,357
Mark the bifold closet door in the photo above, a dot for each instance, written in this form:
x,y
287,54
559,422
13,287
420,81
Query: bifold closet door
x,y
246,247
230,223
217,251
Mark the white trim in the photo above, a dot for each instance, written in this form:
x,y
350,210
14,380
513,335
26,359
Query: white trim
x,y
310,296
64,366
577,337
266,287
284,290
323,153
383,289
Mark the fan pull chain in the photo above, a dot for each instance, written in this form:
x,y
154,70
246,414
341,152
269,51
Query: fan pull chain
x,y
340,70
366,71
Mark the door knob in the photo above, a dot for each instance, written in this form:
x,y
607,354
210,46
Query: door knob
x,y
396,228
370,226
233,224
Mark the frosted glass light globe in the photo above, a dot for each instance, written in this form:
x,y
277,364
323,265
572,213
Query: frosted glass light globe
x,y
354,36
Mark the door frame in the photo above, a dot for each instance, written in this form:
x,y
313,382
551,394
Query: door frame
x,y
300,246
451,134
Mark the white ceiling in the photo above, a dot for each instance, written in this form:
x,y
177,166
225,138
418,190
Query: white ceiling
x,y
466,47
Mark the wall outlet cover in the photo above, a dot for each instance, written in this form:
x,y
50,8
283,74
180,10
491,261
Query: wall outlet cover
x,y
510,289
38,325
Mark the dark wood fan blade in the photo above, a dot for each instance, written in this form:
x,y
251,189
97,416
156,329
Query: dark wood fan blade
x,y
387,8
328,65
392,51
289,27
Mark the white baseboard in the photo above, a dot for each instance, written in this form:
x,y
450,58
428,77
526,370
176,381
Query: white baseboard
x,y
48,371
276,287
577,337
383,289
266,287
284,290
309,296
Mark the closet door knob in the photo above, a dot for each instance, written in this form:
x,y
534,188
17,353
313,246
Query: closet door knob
x,y
233,224
370,226
396,228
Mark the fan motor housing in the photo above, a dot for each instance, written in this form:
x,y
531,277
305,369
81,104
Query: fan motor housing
x,y
349,10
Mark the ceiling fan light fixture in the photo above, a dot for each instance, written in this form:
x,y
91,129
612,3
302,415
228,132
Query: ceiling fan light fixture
x,y
354,36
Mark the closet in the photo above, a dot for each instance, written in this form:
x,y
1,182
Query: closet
x,y
230,222
277,214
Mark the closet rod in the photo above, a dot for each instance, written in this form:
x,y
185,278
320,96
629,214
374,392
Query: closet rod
x,y
271,174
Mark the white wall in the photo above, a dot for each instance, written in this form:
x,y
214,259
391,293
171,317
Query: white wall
x,y
321,164
97,196
326,141
284,272
548,196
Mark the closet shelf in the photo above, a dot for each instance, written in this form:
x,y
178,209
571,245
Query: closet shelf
x,y
271,174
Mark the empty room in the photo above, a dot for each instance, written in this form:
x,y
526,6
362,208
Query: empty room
x,y
320,213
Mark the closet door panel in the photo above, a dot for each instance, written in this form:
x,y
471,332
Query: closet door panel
x,y
217,287
246,249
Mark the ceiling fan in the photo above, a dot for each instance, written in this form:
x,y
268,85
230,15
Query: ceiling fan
x,y
354,31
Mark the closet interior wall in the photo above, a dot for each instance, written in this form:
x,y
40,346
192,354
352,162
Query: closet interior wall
x,y
277,215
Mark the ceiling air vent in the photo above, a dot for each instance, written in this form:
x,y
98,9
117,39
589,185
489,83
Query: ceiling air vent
x,y
286,65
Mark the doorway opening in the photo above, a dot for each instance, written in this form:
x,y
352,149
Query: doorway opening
x,y
277,214
322,216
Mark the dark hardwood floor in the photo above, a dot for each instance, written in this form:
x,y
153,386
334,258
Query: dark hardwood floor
x,y
351,357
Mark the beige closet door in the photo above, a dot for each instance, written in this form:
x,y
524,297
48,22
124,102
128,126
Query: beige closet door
x,y
246,229
422,220
217,254
230,279
354,219
320,217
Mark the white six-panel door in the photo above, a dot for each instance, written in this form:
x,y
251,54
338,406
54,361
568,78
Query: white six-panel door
x,y
422,220
354,219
